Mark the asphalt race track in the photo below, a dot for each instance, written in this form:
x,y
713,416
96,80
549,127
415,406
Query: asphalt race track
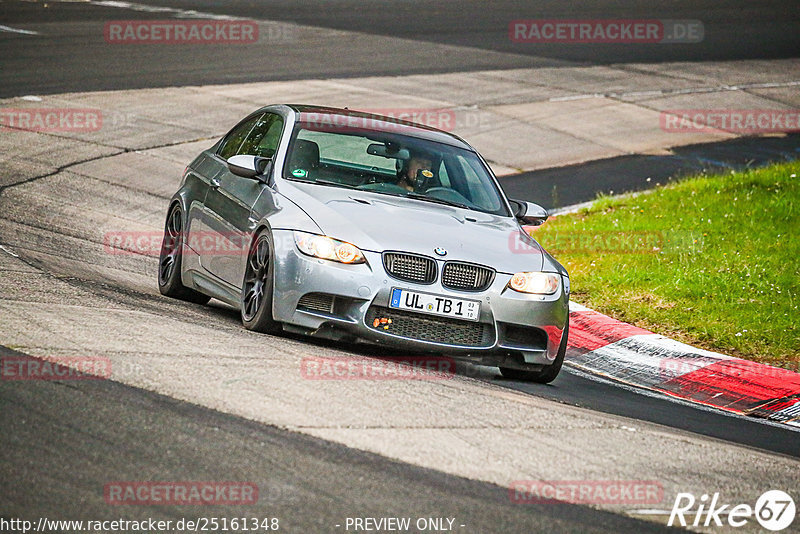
x,y
393,38
310,484
194,396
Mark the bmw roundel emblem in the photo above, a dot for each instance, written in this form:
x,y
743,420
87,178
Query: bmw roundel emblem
x,y
440,251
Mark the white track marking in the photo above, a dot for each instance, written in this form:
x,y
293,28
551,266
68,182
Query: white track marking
x,y
9,29
7,250
575,307
179,13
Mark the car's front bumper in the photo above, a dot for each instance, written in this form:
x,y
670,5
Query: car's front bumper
x,y
529,325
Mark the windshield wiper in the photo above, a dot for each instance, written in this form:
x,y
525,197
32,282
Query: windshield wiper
x,y
418,196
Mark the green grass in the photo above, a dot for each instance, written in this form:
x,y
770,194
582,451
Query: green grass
x,y
710,260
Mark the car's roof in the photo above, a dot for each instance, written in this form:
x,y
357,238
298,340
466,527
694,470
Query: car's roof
x,y
372,121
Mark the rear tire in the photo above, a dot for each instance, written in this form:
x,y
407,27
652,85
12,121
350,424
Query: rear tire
x,y
258,286
541,376
169,261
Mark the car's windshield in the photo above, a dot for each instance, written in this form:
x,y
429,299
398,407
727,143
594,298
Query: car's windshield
x,y
391,163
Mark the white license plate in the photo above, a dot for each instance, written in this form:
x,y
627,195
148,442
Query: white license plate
x,y
403,299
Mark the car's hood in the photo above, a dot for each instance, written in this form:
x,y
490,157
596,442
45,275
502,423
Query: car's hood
x,y
378,222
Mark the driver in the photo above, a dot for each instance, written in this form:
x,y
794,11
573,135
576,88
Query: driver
x,y
415,172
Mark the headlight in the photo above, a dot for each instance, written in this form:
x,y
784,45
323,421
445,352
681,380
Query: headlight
x,y
327,248
539,283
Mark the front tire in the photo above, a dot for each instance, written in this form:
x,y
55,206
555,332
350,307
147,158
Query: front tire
x,y
542,376
169,261
258,286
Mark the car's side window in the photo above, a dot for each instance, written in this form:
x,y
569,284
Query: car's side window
x,y
233,141
264,137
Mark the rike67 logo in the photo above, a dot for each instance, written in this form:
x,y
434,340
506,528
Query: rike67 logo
x,y
774,510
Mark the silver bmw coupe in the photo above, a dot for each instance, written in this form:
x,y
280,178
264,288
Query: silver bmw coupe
x,y
353,226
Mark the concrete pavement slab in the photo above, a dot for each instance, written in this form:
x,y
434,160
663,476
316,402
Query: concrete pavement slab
x,y
624,127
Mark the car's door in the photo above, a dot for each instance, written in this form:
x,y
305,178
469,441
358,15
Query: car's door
x,y
230,199
198,179
203,175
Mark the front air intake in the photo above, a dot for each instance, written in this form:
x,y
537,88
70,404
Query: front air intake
x,y
410,267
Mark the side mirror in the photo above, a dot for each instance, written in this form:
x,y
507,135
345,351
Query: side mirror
x,y
249,166
528,212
